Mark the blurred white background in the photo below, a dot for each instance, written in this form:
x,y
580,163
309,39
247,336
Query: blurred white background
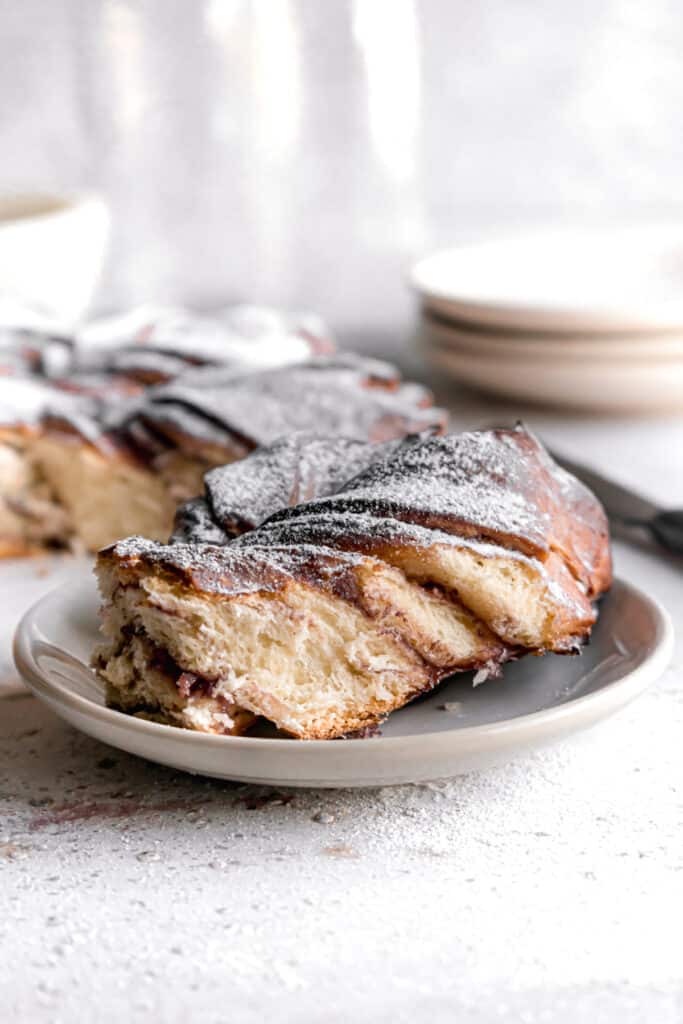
x,y
302,153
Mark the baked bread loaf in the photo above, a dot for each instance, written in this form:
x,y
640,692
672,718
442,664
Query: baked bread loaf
x,y
153,344
323,583
60,392
92,449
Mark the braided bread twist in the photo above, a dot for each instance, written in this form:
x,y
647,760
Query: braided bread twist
x,y
322,583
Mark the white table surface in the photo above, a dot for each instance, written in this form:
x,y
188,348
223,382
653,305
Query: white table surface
x,y
549,890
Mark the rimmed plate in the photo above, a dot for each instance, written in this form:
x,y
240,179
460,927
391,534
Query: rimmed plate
x,y
456,729
626,279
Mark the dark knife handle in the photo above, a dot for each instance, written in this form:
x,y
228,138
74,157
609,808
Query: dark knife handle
x,y
665,527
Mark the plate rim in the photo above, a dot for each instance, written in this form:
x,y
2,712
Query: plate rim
x,y
628,686
537,315
461,335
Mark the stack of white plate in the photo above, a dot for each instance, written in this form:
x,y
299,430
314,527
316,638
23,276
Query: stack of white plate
x,y
574,318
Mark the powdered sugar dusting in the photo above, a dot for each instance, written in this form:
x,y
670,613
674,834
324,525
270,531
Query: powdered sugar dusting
x,y
29,401
164,340
229,383
146,345
484,481
365,532
295,469
487,491
194,524
226,570
331,395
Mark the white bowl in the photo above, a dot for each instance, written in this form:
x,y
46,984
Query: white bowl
x,y
52,249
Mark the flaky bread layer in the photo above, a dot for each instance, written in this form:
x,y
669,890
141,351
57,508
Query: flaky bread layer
x,y
316,664
524,602
30,515
141,682
103,494
59,489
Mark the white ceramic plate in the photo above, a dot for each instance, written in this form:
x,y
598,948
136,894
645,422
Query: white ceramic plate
x,y
628,279
538,700
23,581
535,345
564,378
